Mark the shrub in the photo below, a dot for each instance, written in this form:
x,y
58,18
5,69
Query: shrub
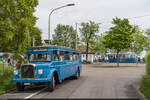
x,y
145,82
6,80
148,65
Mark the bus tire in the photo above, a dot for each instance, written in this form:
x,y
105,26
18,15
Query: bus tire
x,y
51,85
20,86
78,74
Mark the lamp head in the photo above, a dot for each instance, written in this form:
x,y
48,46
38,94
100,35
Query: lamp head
x,y
71,4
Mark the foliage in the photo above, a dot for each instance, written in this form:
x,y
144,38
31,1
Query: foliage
x,y
147,59
120,36
145,87
97,45
64,35
17,24
88,30
147,32
145,82
140,41
36,36
6,79
5,55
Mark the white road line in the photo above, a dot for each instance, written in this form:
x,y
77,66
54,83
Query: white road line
x,y
35,93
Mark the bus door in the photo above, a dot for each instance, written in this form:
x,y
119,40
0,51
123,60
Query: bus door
x,y
72,64
58,58
64,68
69,64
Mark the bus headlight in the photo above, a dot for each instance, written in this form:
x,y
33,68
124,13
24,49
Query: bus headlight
x,y
15,71
40,71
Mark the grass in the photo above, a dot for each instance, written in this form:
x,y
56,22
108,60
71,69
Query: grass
x,y
145,87
6,83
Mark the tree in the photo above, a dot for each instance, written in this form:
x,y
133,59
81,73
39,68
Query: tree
x,y
17,22
97,45
140,41
88,31
35,35
147,32
120,36
64,35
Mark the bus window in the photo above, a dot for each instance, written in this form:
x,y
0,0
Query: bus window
x,y
71,57
55,55
39,57
76,56
67,55
61,55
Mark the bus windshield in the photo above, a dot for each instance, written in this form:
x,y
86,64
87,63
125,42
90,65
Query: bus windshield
x,y
39,57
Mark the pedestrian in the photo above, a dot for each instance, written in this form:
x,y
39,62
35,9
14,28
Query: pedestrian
x,y
9,62
139,60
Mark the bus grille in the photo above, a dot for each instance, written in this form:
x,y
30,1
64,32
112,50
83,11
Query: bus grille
x,y
27,71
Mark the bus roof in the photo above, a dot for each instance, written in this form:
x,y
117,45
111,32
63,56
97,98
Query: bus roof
x,y
55,48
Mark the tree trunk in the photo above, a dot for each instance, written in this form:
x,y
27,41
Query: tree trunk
x,y
117,58
87,49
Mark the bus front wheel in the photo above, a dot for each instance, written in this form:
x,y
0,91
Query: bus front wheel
x,y
20,86
51,85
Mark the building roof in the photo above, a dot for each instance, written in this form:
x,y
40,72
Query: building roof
x,y
83,50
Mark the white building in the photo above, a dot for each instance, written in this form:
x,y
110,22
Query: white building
x,y
83,55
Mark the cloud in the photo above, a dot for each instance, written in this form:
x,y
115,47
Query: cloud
x,y
97,10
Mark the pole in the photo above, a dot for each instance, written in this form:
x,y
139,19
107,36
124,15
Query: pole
x,y
50,16
76,33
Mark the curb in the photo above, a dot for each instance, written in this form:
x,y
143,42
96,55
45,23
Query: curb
x,y
8,91
139,92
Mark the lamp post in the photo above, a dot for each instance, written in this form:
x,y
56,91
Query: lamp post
x,y
76,32
72,4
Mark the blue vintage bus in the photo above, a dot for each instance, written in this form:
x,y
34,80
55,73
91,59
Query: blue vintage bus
x,y
48,65
124,57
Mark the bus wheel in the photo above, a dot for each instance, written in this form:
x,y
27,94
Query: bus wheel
x,y
51,85
20,86
78,74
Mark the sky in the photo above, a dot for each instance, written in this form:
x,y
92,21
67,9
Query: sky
x,y
100,11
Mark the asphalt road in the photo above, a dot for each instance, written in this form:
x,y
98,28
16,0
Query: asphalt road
x,y
95,82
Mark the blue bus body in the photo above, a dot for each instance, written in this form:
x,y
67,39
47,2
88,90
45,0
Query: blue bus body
x,y
123,57
62,62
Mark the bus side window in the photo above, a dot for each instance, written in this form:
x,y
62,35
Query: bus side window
x,y
74,56
61,55
67,55
71,57
55,55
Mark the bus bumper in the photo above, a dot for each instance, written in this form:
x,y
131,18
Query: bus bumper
x,y
31,80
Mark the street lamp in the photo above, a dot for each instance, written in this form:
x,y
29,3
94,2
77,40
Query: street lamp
x,y
72,4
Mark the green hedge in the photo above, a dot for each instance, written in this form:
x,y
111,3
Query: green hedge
x,y
145,82
147,58
6,79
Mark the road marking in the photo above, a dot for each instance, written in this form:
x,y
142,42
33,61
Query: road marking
x,y
35,93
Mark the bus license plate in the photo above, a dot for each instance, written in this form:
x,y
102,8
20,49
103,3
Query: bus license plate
x,y
27,83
